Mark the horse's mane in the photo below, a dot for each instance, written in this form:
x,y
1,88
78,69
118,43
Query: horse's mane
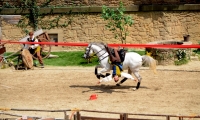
x,y
100,44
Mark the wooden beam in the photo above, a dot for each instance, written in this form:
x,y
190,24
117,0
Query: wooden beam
x,y
98,9
185,7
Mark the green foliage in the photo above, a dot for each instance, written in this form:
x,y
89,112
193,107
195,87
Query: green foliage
x,y
73,58
118,22
181,54
181,62
182,58
197,51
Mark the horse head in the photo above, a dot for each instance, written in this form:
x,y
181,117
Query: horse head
x,y
95,49
88,52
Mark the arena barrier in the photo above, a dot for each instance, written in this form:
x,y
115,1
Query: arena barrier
x,y
111,45
76,115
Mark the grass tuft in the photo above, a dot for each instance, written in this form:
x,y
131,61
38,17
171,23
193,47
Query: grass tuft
x,y
69,59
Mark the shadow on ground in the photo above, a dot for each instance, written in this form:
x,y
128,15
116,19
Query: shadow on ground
x,y
106,88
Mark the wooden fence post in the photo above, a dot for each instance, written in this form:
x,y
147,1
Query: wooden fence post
x,y
124,116
121,116
78,115
75,117
66,117
168,118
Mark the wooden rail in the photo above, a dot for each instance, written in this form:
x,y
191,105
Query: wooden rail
x,y
126,116
122,116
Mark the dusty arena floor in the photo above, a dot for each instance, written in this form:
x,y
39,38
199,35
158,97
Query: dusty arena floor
x,y
173,90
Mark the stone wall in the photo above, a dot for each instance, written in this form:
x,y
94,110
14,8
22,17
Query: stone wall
x,y
147,27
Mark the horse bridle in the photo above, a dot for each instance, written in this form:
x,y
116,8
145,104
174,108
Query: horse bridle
x,y
87,53
96,53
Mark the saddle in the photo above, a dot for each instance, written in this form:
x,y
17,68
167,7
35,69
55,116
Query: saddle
x,y
121,52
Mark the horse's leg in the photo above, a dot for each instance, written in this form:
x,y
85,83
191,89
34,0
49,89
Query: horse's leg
x,y
123,80
98,74
137,75
103,76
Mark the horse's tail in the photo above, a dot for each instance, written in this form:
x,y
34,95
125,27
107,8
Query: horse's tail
x,y
149,61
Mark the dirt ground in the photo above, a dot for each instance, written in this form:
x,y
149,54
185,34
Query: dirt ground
x,y
173,90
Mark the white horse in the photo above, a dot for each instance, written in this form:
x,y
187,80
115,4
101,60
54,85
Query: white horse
x,y
133,61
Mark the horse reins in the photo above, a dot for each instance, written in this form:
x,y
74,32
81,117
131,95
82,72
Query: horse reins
x,y
97,53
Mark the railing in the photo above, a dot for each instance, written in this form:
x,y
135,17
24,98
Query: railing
x,y
126,116
76,115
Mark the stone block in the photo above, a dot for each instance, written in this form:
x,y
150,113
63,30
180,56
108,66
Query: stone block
x,y
76,28
138,38
107,32
129,39
86,26
156,32
142,33
71,33
193,30
168,29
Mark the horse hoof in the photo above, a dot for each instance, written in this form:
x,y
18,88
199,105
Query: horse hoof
x,y
134,89
117,84
98,76
107,74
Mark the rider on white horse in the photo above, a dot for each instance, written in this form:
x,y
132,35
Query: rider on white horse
x,y
117,67
116,62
